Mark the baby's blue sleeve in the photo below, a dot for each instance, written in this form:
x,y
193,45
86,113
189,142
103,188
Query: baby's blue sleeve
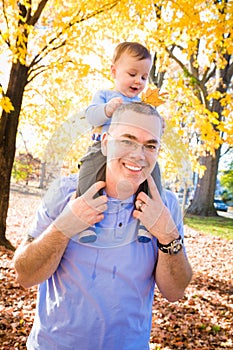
x,y
95,112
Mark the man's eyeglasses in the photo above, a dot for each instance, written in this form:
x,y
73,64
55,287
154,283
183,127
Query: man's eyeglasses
x,y
131,145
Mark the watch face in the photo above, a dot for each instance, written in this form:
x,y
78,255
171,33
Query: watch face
x,y
176,248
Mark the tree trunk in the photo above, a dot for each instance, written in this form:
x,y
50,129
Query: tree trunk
x,y
202,203
8,131
42,174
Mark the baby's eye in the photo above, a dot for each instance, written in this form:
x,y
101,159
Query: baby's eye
x,y
132,74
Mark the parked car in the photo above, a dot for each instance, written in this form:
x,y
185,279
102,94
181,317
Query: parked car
x,y
220,205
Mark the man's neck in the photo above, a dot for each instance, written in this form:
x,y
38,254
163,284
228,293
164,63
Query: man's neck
x,y
121,190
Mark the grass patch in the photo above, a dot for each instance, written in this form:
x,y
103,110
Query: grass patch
x,y
215,226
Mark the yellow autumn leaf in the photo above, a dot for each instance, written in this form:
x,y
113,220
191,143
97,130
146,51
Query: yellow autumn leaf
x,y
6,104
215,95
152,97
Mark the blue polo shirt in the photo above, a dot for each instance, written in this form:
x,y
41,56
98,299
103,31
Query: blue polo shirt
x,y
101,295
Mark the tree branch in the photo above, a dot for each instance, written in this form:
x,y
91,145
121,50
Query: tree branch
x,y
230,71
33,19
40,58
7,24
198,83
171,55
47,49
194,69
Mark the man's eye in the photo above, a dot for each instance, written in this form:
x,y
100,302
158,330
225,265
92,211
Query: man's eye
x,y
126,143
151,147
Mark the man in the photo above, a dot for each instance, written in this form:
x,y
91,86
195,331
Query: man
x,y
99,295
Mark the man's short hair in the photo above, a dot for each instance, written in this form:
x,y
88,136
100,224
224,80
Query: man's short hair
x,y
138,107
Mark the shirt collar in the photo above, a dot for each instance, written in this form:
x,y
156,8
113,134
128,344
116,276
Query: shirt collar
x,y
129,200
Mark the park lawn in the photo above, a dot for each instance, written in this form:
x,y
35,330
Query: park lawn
x,y
215,226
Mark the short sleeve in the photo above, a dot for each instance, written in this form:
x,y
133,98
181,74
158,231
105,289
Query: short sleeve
x,y
171,202
54,201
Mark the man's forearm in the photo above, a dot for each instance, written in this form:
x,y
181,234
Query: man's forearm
x,y
36,261
173,273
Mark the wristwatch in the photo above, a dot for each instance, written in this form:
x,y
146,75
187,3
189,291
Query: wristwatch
x,y
173,247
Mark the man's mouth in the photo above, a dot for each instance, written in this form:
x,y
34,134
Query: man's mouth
x,y
132,167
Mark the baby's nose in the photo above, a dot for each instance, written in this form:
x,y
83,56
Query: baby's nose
x,y
138,79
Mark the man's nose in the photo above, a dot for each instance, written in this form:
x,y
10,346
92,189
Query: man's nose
x,y
139,151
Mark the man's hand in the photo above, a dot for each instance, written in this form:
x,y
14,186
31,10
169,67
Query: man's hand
x,y
112,105
154,215
82,212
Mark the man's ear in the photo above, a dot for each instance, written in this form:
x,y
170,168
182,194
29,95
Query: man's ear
x,y
113,71
104,142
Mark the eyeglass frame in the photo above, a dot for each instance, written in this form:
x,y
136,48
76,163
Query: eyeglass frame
x,y
130,144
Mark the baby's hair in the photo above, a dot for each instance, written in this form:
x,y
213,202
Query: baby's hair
x,y
132,48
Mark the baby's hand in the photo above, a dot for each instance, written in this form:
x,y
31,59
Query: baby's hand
x,y
112,105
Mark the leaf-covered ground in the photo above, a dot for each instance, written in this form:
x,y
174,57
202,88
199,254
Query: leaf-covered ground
x,y
202,320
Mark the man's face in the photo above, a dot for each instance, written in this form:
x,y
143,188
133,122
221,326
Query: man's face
x,y
131,147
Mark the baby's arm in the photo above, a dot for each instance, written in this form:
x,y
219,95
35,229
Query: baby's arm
x,y
112,105
96,113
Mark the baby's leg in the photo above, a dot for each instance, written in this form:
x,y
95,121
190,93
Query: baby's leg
x,y
91,165
91,171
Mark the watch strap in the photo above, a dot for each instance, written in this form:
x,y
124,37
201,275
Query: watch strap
x,y
173,247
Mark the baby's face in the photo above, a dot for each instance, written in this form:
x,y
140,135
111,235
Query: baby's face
x,y
130,74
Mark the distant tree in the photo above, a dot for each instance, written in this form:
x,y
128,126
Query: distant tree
x,y
194,62
226,180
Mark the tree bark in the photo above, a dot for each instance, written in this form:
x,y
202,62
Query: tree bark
x,y
202,203
8,130
17,82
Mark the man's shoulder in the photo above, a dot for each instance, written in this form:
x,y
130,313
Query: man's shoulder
x,y
171,202
169,197
169,193
66,183
60,190
53,202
